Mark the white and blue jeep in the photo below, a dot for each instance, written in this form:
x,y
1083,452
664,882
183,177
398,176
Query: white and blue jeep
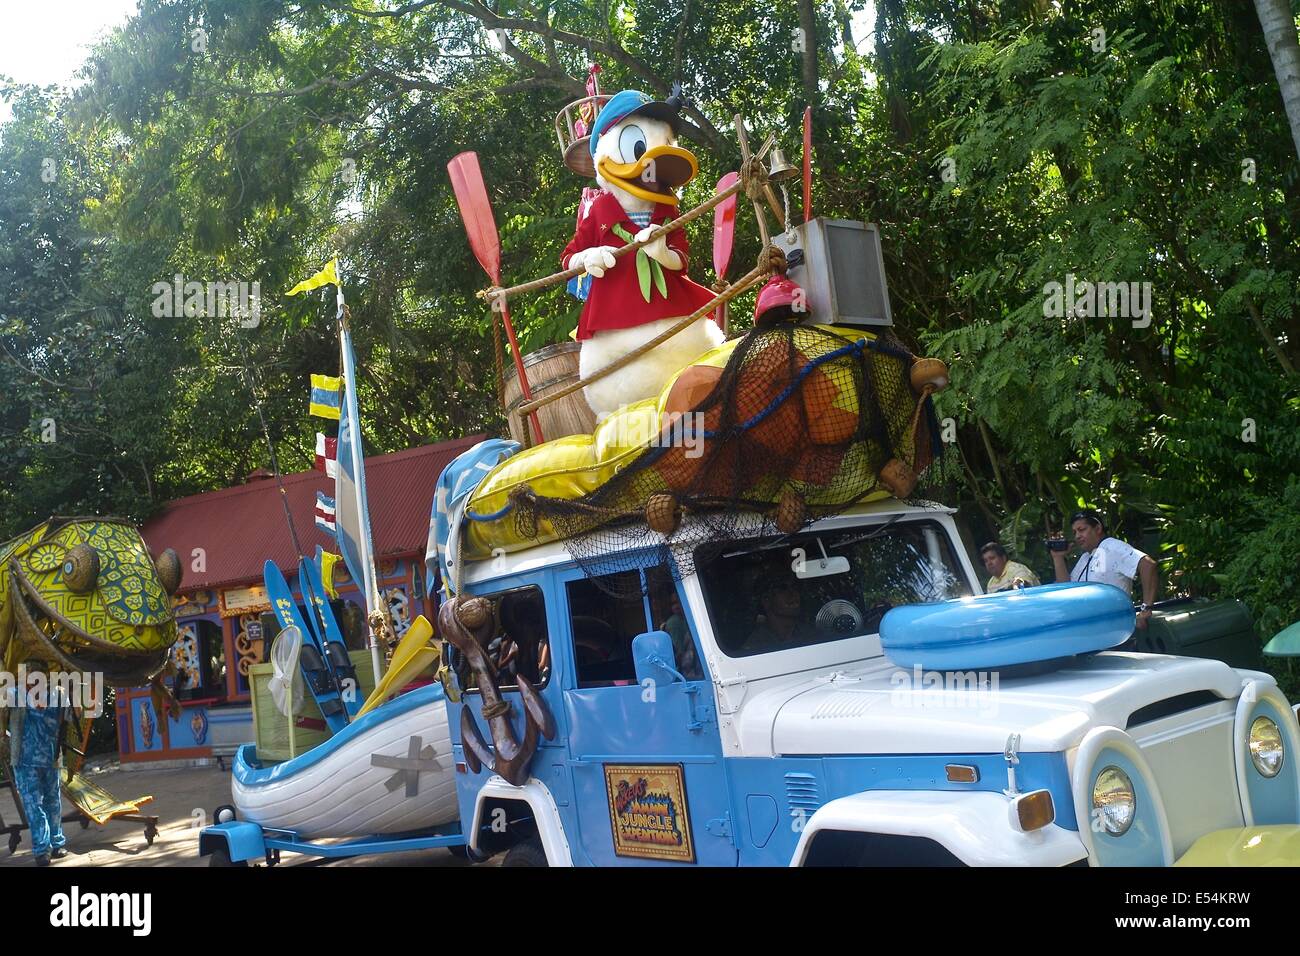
x,y
744,714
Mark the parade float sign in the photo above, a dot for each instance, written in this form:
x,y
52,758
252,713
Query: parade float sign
x,y
647,811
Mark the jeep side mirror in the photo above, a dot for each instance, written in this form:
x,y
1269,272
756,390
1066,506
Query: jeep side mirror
x,y
653,654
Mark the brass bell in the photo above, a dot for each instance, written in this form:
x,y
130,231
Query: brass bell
x,y
780,169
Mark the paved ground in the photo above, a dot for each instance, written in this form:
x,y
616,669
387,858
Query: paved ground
x,y
183,802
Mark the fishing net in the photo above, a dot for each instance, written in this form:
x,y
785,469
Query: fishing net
x,y
799,424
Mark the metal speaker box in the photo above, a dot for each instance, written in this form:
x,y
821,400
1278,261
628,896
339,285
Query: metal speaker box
x,y
839,264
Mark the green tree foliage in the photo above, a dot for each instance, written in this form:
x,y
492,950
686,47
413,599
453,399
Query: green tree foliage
x,y
1115,144
1002,147
72,356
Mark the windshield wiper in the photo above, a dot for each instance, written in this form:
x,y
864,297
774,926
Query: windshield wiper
x,y
780,542
869,535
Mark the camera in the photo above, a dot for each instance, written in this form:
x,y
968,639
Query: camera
x,y
1058,544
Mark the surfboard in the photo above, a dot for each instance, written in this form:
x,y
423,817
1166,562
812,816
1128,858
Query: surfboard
x,y
320,680
330,636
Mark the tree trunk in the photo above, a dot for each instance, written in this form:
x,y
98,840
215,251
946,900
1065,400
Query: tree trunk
x,y
808,23
1280,35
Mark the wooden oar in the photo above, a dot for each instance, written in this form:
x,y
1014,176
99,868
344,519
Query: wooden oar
x,y
724,236
481,228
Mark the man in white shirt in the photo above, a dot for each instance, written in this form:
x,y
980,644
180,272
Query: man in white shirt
x,y
1108,560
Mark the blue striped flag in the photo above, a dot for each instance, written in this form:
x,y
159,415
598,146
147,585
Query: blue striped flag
x,y
350,488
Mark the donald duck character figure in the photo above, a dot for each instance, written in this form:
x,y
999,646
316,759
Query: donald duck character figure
x,y
638,166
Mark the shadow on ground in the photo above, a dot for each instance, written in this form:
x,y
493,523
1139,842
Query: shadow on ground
x,y
183,801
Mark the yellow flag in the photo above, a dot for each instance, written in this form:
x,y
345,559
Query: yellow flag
x,y
327,276
327,561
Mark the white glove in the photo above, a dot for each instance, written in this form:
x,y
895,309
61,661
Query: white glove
x,y
658,250
654,249
593,261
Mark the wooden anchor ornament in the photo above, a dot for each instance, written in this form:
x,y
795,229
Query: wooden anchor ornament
x,y
468,624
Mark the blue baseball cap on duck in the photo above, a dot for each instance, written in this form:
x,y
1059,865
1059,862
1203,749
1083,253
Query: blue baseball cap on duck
x,y
627,103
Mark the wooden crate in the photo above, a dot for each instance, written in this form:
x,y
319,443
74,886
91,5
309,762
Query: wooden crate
x,y
271,728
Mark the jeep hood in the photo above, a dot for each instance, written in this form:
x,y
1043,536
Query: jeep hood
x,y
874,707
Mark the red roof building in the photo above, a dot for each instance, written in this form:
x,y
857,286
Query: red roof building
x,y
235,530
223,538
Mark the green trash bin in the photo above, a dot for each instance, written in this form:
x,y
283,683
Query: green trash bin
x,y
1222,630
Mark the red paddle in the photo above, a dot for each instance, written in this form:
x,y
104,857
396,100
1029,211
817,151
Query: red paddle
x,y
807,163
481,228
724,234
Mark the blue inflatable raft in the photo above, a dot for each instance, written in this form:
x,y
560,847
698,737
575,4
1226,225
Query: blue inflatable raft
x,y
1007,628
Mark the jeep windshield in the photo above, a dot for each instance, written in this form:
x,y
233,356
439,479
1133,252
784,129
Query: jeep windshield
x,y
827,586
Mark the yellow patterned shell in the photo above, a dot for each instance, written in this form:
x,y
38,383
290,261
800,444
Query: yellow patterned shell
x,y
128,607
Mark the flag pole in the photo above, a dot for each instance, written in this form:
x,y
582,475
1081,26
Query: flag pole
x,y
364,548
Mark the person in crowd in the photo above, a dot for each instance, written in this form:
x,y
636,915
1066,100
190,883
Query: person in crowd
x,y
35,719
1005,572
679,630
1106,560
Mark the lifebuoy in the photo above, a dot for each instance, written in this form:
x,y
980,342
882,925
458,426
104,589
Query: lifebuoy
x,y
1008,627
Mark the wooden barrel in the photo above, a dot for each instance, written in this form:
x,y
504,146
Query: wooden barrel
x,y
548,370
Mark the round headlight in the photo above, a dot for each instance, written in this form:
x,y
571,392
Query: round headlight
x,y
1114,801
1266,748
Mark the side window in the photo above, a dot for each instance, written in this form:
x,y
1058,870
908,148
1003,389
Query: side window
x,y
605,617
667,614
607,613
200,658
520,642
212,646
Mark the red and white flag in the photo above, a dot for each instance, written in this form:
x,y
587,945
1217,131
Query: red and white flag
x,y
327,455
325,513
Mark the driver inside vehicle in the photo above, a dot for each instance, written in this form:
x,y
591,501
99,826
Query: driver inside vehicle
x,y
782,622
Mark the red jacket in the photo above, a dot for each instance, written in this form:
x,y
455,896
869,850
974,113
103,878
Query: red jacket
x,y
617,300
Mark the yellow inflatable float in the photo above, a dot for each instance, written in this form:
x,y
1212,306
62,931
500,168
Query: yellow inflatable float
x,y
803,419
